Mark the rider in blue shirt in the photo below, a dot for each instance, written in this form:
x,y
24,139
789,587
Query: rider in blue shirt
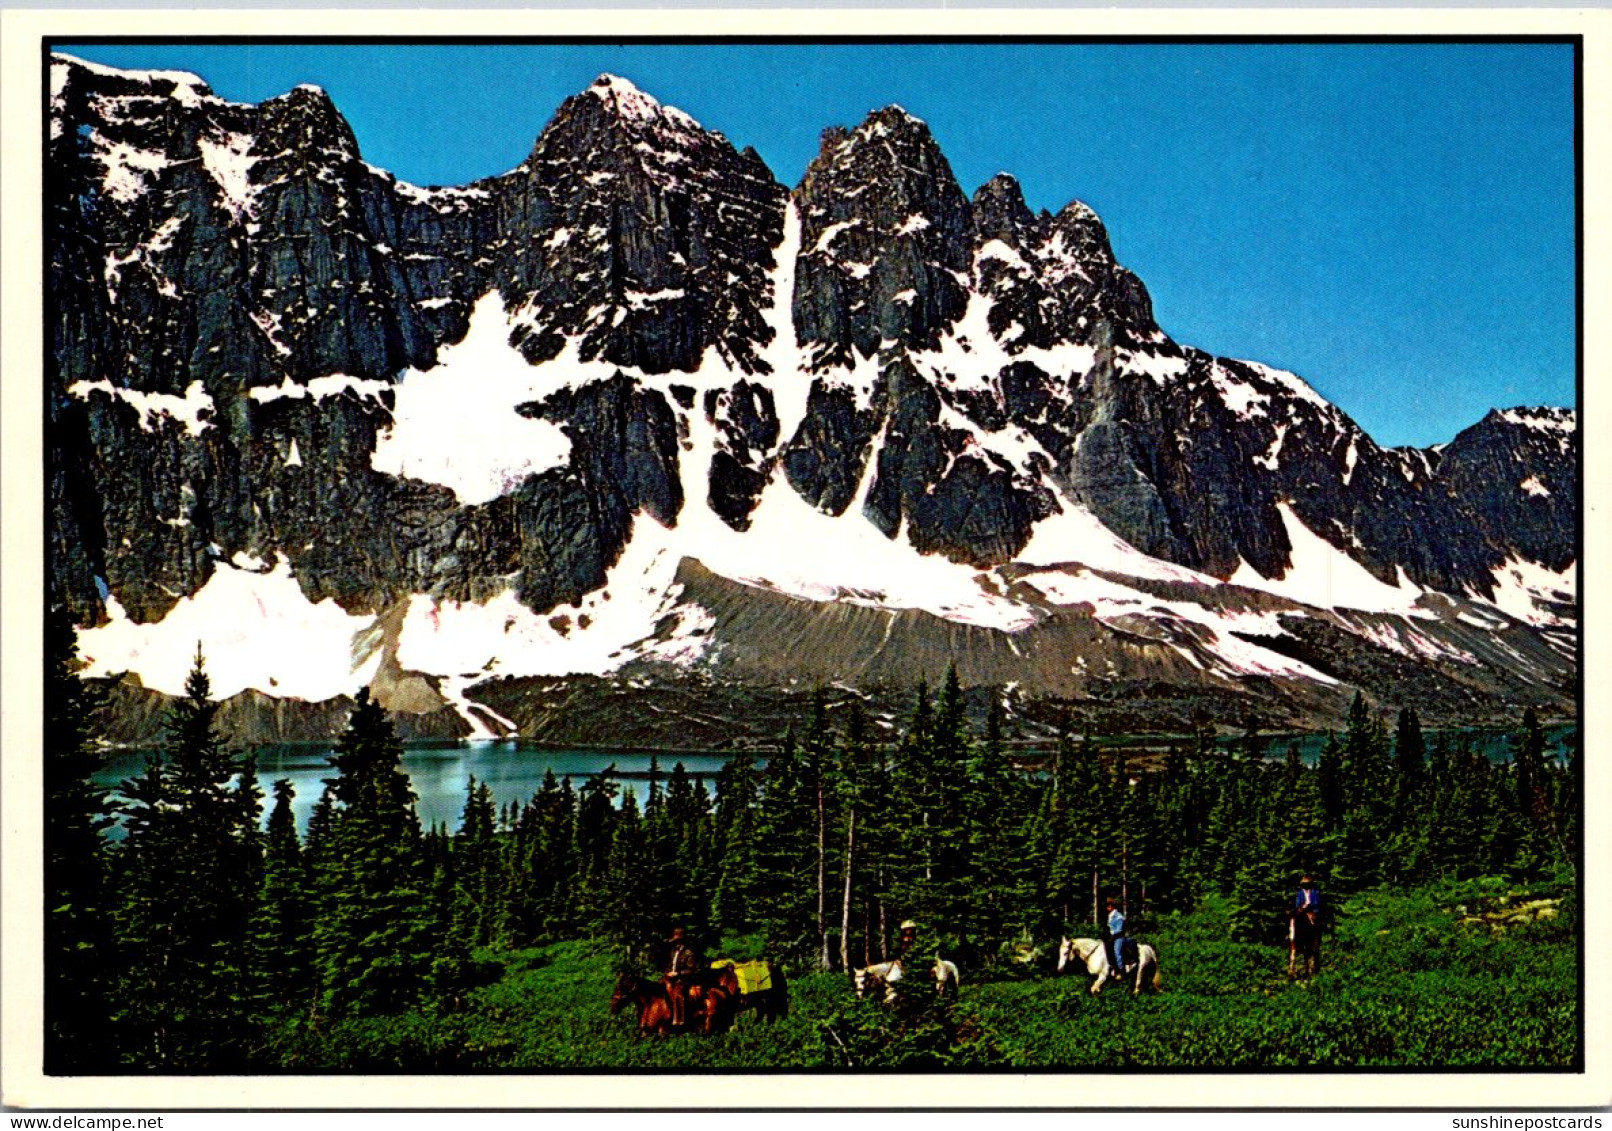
x,y
1116,935
1309,896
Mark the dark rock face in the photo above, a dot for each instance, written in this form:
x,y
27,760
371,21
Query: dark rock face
x,y
573,523
1517,474
885,235
824,461
233,294
641,234
746,420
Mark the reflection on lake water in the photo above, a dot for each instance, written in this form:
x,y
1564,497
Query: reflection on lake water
x,y
441,772
514,771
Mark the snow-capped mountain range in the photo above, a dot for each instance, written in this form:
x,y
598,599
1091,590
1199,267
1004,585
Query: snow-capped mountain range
x,y
636,409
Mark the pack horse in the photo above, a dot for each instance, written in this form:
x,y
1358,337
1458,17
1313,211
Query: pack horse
x,y
759,986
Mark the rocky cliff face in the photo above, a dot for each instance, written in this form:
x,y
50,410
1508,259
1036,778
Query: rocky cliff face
x,y
488,422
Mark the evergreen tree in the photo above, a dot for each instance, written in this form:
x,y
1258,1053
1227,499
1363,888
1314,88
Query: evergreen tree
x,y
998,890
376,938
687,862
188,897
818,786
788,857
623,897
281,963
473,872
594,828
737,830
79,946
1538,832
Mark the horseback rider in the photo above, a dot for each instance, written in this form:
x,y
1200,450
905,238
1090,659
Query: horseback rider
x,y
907,942
1308,898
1115,934
682,966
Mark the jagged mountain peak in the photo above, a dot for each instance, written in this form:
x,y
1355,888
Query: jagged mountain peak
x,y
302,115
183,85
895,116
275,337
1542,418
999,208
629,102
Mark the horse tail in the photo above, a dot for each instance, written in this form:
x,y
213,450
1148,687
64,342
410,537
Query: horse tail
x,y
1158,976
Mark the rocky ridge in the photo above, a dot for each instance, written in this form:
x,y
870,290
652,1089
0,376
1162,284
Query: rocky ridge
x,y
240,308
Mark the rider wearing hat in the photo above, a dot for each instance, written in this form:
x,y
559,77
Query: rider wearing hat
x,y
906,947
1309,896
1116,936
682,964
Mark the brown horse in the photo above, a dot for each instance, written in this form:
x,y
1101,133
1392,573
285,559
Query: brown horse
x,y
710,1007
1303,938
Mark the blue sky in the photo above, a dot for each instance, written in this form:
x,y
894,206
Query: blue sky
x,y
1395,223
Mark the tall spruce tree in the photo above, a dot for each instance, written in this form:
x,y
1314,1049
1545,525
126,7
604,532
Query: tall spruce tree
x,y
376,939
787,856
737,831
188,897
79,945
281,966
476,879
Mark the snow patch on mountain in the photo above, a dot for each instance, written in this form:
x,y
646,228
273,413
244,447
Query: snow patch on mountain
x,y
969,354
790,388
1541,419
1523,589
228,159
634,105
1162,367
455,689
1294,384
128,172
502,637
1322,575
330,385
188,89
455,424
256,629
1239,395
188,410
1112,601
1074,534
144,255
793,548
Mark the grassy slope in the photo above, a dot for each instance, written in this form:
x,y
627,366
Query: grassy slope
x,y
1403,984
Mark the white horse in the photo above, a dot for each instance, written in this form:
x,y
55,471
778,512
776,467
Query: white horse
x,y
886,974
1094,955
945,973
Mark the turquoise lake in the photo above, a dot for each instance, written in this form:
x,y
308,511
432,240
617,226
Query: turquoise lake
x,y
441,771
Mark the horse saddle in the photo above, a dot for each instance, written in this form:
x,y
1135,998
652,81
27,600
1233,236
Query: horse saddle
x,y
1129,954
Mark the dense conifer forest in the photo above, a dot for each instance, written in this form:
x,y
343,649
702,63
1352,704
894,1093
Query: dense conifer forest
x,y
206,940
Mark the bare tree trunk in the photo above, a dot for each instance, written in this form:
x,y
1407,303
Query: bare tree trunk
x,y
825,959
1096,898
845,904
1125,880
